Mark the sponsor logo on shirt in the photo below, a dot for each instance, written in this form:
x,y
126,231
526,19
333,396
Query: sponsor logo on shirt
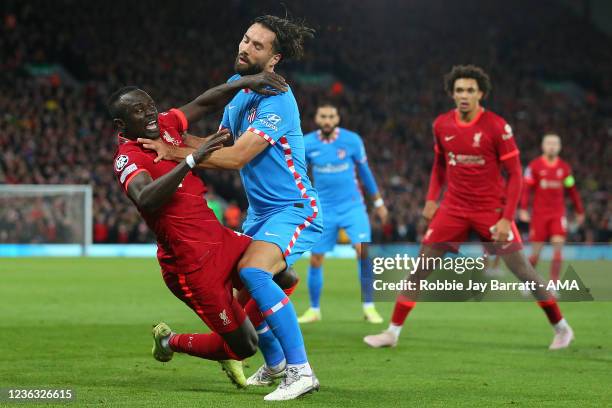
x,y
330,168
121,162
550,184
271,121
465,159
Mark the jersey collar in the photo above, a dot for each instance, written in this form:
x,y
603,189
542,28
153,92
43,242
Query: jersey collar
x,y
124,140
470,123
332,138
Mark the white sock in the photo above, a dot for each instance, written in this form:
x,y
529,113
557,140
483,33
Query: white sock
x,y
560,325
368,304
316,309
396,330
279,367
303,369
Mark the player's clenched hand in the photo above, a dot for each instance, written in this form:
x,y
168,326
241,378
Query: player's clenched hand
x,y
430,209
164,151
266,83
214,142
501,230
524,215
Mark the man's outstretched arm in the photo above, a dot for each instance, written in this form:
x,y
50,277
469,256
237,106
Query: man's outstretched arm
x,y
266,83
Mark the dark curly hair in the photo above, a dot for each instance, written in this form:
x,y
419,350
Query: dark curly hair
x,y
470,72
290,35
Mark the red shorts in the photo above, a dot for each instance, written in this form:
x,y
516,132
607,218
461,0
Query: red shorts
x,y
544,227
450,227
208,290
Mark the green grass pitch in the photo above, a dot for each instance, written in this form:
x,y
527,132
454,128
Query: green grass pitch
x,y
85,324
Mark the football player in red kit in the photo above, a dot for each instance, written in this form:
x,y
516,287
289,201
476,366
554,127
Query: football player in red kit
x,y
472,146
197,255
548,177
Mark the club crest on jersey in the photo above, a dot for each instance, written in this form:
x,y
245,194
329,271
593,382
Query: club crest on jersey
x,y
477,138
224,318
166,136
121,162
341,154
252,114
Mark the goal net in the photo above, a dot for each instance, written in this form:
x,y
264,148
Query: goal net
x,y
46,214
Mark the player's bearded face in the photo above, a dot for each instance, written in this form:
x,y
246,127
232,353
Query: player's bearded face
x,y
466,94
256,51
327,119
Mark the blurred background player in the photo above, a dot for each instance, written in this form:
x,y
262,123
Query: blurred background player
x,y
335,155
283,216
548,177
472,146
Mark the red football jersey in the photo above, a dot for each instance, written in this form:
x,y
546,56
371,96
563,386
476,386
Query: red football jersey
x,y
185,227
473,153
549,180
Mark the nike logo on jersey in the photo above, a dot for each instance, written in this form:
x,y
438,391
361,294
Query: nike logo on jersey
x,y
315,153
362,235
448,138
269,234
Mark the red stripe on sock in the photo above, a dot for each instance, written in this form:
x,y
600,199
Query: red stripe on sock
x,y
278,306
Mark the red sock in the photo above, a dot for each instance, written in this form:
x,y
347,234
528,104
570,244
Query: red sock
x,y
402,308
253,312
552,310
210,346
555,266
533,260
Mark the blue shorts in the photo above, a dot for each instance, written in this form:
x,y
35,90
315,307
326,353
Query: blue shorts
x,y
292,229
355,222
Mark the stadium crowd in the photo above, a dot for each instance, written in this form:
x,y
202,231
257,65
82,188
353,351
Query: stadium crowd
x,y
381,62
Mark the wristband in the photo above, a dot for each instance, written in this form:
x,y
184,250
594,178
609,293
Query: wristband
x,y
379,202
190,162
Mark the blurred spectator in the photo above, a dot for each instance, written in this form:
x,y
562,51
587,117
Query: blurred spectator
x,y
59,63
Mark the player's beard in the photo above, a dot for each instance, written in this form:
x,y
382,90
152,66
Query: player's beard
x,y
247,69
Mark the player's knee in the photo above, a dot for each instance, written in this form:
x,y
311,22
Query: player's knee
x,y
316,260
247,349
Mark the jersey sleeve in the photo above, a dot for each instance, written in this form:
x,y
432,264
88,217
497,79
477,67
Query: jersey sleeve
x,y
225,123
504,140
273,119
360,158
130,163
174,118
528,176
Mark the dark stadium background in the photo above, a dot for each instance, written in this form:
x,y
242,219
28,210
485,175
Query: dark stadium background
x,y
380,61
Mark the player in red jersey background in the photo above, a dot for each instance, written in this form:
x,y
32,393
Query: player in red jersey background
x,y
548,177
472,146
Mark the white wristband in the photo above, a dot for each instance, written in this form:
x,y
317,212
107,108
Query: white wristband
x,y
190,162
379,202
